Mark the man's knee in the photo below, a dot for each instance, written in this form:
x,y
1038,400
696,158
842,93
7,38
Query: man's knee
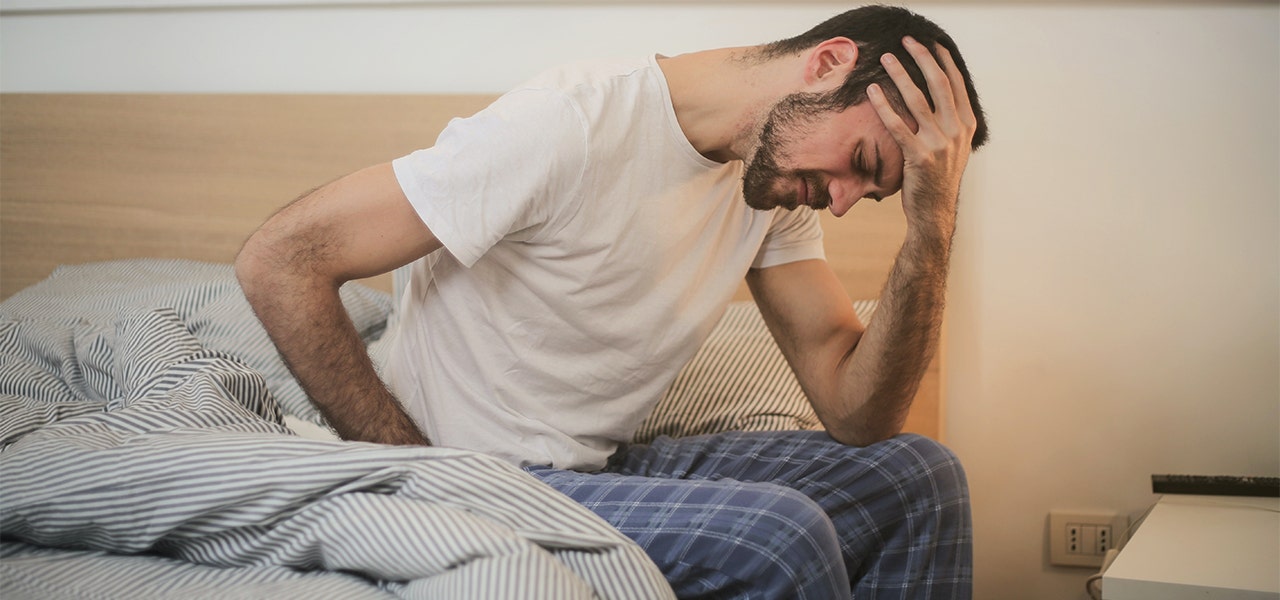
x,y
775,541
928,468
916,530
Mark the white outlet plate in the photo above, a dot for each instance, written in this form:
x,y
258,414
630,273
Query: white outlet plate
x,y
1081,538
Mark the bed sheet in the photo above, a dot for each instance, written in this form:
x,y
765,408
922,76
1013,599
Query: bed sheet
x,y
144,456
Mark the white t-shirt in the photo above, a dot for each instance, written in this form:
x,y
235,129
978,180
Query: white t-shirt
x,y
588,252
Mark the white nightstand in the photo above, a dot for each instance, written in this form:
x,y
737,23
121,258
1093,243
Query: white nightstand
x,y
1201,547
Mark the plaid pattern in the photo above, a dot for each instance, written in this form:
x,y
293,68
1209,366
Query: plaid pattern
x,y
789,514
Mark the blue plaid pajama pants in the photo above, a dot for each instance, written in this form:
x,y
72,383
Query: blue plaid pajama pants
x,y
789,514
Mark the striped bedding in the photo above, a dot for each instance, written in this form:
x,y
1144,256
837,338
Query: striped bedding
x,y
145,456
737,381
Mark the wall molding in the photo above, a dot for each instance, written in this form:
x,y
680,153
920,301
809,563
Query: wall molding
x,y
19,7
60,6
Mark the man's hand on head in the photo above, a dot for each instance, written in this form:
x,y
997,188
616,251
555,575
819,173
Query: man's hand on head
x,y
936,151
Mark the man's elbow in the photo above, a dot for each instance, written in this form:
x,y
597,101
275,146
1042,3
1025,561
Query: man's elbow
x,y
863,436
869,425
261,266
250,266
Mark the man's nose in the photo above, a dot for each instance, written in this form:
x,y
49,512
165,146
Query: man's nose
x,y
847,189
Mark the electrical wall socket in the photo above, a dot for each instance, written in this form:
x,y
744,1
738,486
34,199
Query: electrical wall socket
x,y
1082,538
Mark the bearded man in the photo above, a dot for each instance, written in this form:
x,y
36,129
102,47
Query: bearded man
x,y
573,244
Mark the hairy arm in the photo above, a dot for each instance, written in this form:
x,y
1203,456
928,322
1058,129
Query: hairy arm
x,y
861,381
291,270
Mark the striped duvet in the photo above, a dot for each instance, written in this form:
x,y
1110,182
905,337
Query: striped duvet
x,y
144,456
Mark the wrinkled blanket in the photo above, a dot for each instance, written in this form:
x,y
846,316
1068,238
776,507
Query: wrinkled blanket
x,y
144,455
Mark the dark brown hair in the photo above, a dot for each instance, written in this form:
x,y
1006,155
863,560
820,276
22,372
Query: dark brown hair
x,y
878,30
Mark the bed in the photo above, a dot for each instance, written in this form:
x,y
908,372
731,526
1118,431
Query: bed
x,y
155,446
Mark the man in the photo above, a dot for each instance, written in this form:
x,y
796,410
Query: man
x,y
574,243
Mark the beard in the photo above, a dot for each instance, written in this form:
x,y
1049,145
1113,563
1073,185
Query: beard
x,y
766,185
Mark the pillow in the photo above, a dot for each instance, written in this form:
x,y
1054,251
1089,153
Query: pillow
x,y
737,381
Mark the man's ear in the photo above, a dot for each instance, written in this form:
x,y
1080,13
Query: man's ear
x,y
830,62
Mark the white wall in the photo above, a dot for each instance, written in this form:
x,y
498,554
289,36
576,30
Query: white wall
x,y
1115,310
1115,306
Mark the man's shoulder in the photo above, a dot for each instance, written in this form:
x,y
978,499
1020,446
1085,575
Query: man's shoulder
x,y
594,75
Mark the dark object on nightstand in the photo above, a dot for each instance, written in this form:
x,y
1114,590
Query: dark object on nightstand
x,y
1216,485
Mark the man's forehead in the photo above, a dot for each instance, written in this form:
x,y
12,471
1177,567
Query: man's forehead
x,y
862,121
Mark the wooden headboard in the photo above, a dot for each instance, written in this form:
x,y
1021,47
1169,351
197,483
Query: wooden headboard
x,y
91,177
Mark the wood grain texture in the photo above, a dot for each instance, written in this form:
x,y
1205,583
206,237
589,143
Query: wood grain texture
x,y
91,177
97,177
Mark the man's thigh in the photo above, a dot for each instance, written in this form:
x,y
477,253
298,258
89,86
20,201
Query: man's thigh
x,y
899,508
720,538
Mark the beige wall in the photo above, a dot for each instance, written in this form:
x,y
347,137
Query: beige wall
x,y
1115,306
1115,310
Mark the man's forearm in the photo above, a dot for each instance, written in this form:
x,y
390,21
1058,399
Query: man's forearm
x,y
884,368
291,269
883,372
322,348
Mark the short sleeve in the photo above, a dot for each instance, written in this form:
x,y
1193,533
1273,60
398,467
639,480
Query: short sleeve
x,y
506,171
794,235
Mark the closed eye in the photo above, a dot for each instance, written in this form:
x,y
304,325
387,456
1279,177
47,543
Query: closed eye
x,y
879,178
860,165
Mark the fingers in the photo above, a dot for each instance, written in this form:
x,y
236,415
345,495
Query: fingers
x,y
913,96
959,92
898,128
940,85
942,78
926,120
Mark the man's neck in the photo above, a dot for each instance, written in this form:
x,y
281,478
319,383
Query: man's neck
x,y
722,96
